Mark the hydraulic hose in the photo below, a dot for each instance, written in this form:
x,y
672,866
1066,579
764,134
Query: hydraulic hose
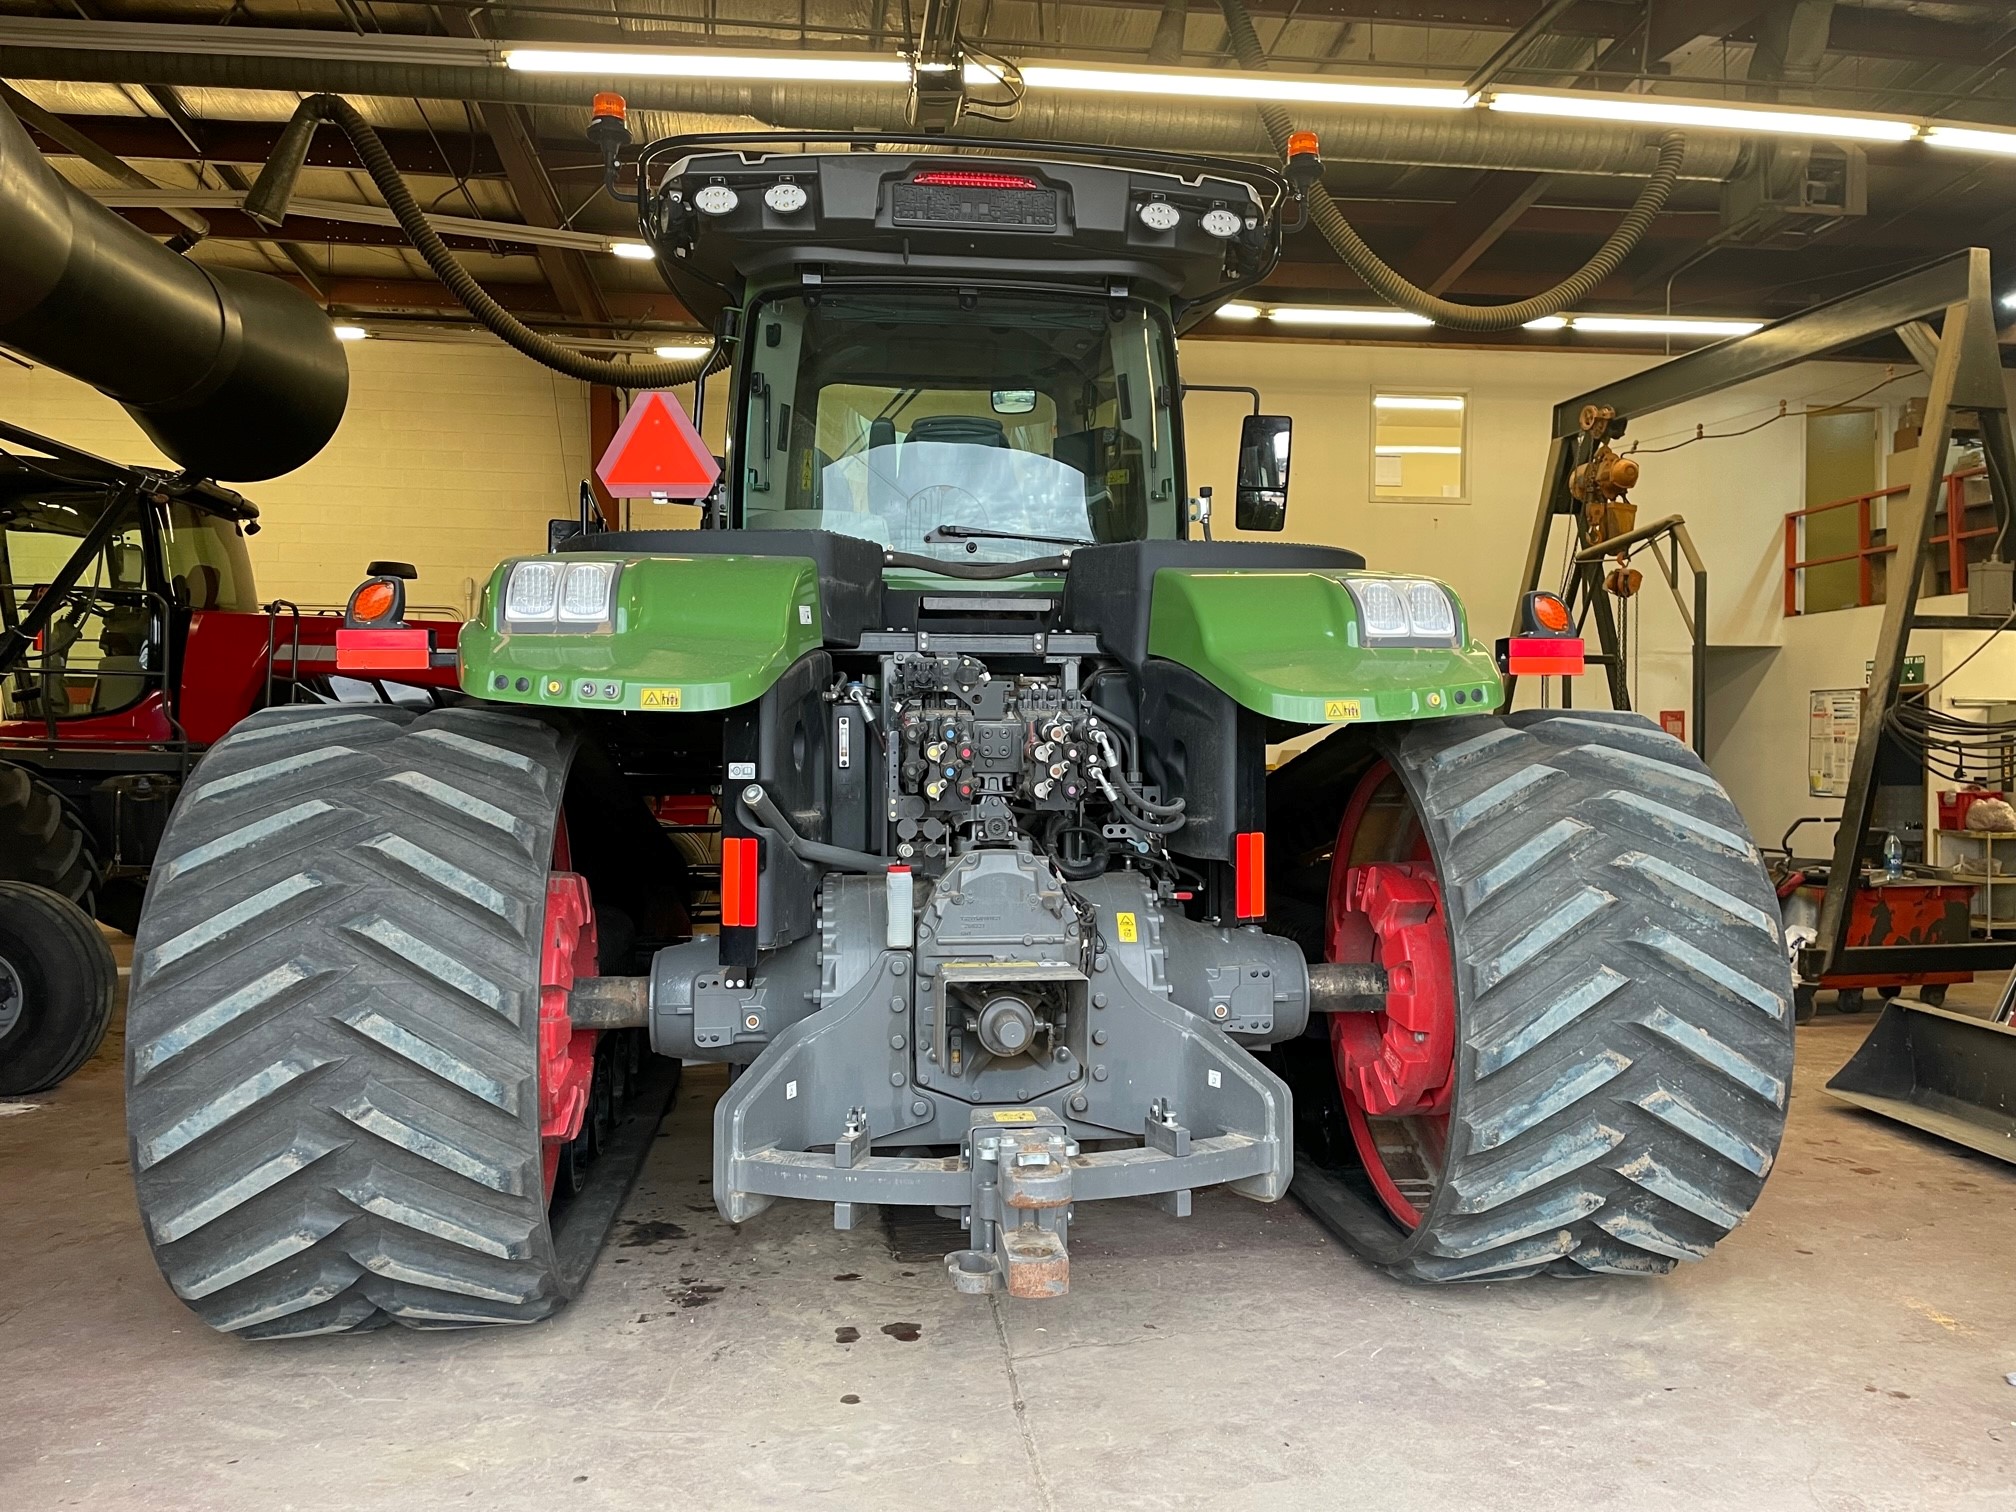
x,y
1381,277
268,198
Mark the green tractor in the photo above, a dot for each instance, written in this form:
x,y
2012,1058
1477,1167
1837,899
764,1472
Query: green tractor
x,y
1013,915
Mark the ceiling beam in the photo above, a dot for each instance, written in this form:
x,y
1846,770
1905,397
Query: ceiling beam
x,y
249,143
1466,230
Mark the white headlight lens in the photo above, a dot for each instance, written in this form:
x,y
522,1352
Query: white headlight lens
x,y
1382,613
1159,215
584,592
1430,610
784,198
1220,222
532,591
716,199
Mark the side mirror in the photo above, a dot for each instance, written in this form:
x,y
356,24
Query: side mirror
x,y
1262,501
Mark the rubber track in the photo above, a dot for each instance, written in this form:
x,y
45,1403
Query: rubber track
x,y
42,841
1627,1027
332,1031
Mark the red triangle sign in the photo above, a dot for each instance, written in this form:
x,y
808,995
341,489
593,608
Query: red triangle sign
x,y
656,453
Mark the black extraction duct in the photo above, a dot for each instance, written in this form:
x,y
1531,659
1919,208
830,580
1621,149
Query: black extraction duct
x,y
234,375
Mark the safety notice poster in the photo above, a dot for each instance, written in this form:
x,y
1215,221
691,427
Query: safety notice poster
x,y
1834,718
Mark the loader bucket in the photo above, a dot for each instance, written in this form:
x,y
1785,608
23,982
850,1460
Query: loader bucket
x,y
1946,1073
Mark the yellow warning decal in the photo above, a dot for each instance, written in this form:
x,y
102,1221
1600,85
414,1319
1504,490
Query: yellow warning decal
x,y
659,698
1129,932
1335,709
1016,1115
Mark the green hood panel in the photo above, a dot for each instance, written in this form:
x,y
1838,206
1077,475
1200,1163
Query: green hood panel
x,y
689,633
1286,644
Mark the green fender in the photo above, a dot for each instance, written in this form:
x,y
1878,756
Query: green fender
x,y
687,633
1287,645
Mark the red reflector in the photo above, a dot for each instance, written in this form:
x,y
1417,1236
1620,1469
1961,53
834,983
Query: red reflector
x,y
968,178
1544,656
408,650
739,875
1249,874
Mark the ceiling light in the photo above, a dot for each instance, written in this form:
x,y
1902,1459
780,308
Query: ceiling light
x,y
1546,323
766,67
1418,451
1238,312
1329,315
690,350
1206,84
351,333
1971,139
1657,110
1416,402
634,251
1653,325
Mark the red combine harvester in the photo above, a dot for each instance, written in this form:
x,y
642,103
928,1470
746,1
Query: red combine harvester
x,y
131,638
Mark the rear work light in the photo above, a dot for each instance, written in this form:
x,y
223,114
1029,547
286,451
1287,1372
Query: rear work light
x,y
970,178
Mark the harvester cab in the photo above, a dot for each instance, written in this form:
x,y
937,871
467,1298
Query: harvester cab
x,y
1012,915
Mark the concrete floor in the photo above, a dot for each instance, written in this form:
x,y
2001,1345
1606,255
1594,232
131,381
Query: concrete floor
x,y
1845,1349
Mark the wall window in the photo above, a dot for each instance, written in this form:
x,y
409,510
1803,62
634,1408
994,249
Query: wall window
x,y
1418,442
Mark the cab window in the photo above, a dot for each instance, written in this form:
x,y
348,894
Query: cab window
x,y
206,561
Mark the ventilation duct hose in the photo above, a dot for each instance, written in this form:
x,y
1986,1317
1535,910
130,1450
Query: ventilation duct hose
x,y
268,198
1384,281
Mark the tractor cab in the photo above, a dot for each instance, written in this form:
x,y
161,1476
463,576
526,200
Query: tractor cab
x,y
962,360
102,569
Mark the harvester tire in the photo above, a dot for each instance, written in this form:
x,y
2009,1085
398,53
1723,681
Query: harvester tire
x,y
333,1035
43,841
57,980
1622,1047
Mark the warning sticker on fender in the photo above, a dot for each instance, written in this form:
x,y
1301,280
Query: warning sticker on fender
x,y
1124,924
659,698
1016,1115
1336,709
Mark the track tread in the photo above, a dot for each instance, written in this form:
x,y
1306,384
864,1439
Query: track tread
x,y
1621,1087
333,1024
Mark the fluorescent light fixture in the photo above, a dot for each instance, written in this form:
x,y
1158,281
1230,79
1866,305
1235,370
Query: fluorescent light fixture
x,y
634,251
1972,140
690,350
1418,451
1658,110
1207,84
1546,323
1653,325
351,333
777,67
1336,315
2009,301
1416,402
1238,312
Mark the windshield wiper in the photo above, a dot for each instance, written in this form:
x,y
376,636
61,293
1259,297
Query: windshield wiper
x,y
939,533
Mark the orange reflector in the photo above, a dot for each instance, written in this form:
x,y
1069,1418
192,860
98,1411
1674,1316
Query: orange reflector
x,y
740,872
1544,656
372,601
609,107
1249,874
1301,144
1549,612
387,650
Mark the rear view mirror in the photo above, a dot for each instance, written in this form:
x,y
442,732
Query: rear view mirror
x,y
1013,401
1262,502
